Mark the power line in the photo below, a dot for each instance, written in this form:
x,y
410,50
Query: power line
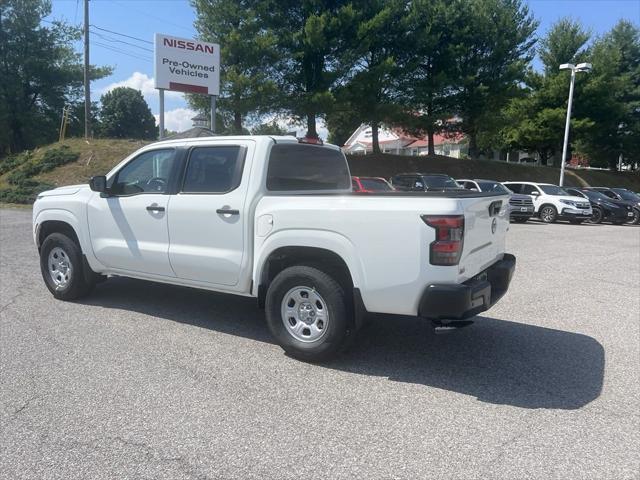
x,y
121,34
108,39
123,52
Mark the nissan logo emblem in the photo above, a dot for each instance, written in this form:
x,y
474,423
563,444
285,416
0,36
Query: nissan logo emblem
x,y
494,225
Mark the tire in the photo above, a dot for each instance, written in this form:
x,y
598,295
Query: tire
x,y
548,214
292,296
636,217
597,216
63,269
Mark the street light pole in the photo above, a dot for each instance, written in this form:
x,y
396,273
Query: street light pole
x,y
566,127
581,67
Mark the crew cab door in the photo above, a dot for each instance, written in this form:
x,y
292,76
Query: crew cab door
x,y
207,217
128,226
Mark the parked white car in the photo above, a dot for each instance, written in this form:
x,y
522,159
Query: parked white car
x,y
552,202
271,218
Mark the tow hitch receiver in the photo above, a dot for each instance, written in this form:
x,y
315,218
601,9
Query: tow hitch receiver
x,y
441,328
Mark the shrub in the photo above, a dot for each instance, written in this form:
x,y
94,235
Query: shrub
x,y
51,159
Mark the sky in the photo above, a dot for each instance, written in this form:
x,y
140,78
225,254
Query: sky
x,y
132,61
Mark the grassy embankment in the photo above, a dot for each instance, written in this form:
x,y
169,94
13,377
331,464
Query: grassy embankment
x,y
75,161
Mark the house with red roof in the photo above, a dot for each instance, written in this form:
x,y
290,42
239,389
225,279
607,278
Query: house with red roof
x,y
399,142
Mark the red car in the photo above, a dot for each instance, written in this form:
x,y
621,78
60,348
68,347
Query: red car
x,y
370,185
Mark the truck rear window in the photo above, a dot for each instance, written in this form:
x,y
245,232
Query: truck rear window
x,y
306,167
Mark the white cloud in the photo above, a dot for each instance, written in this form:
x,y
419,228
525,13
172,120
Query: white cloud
x,y
144,83
178,119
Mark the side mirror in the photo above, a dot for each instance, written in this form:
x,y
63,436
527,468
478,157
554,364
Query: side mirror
x,y
535,193
474,189
98,184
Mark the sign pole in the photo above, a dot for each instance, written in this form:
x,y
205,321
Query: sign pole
x,y
161,120
213,113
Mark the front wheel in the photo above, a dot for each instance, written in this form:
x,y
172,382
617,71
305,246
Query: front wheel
x,y
636,217
62,268
596,216
548,214
307,313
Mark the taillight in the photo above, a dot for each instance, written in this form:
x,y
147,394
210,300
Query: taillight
x,y
446,249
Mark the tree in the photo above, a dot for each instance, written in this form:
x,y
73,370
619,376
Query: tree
x,y
314,53
369,94
268,128
497,40
247,54
429,73
534,119
39,74
125,114
563,43
611,98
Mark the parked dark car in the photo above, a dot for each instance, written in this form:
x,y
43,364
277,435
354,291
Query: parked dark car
x,y
622,195
521,207
605,209
370,185
424,182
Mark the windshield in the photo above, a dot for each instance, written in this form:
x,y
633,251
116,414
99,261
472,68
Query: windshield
x,y
626,194
375,184
553,190
440,181
493,187
596,196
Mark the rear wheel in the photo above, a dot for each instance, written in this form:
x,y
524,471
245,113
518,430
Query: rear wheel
x,y
63,269
307,313
548,214
596,216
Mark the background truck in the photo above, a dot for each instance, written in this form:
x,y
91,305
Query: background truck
x,y
271,218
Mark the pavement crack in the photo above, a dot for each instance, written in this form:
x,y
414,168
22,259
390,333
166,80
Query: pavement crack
x,y
25,405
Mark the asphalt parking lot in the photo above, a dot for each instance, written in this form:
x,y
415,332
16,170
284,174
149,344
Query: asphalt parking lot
x,y
149,381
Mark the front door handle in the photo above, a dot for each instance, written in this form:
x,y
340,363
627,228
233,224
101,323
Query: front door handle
x,y
155,208
227,211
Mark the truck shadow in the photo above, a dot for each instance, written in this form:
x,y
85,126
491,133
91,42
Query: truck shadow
x,y
496,361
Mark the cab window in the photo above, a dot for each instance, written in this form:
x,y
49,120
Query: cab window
x,y
215,169
149,172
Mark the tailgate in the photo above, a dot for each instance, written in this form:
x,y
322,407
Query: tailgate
x,y
486,221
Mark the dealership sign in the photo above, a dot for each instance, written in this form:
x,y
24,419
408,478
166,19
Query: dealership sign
x,y
187,65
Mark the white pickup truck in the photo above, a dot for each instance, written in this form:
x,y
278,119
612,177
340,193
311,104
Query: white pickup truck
x,y
272,218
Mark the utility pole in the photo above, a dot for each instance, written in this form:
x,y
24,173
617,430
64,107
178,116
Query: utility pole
x,y
87,93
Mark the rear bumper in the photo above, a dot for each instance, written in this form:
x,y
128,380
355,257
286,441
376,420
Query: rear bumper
x,y
457,302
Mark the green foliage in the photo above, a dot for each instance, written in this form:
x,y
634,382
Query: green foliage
x,y
247,52
39,74
12,161
564,43
611,98
125,114
606,113
23,187
31,167
496,47
268,128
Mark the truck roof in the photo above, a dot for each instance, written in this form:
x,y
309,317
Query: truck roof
x,y
205,140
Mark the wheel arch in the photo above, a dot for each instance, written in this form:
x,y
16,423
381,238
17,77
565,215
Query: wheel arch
x,y
62,221
323,259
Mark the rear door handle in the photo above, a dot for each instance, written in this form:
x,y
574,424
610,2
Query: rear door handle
x,y
227,211
155,208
